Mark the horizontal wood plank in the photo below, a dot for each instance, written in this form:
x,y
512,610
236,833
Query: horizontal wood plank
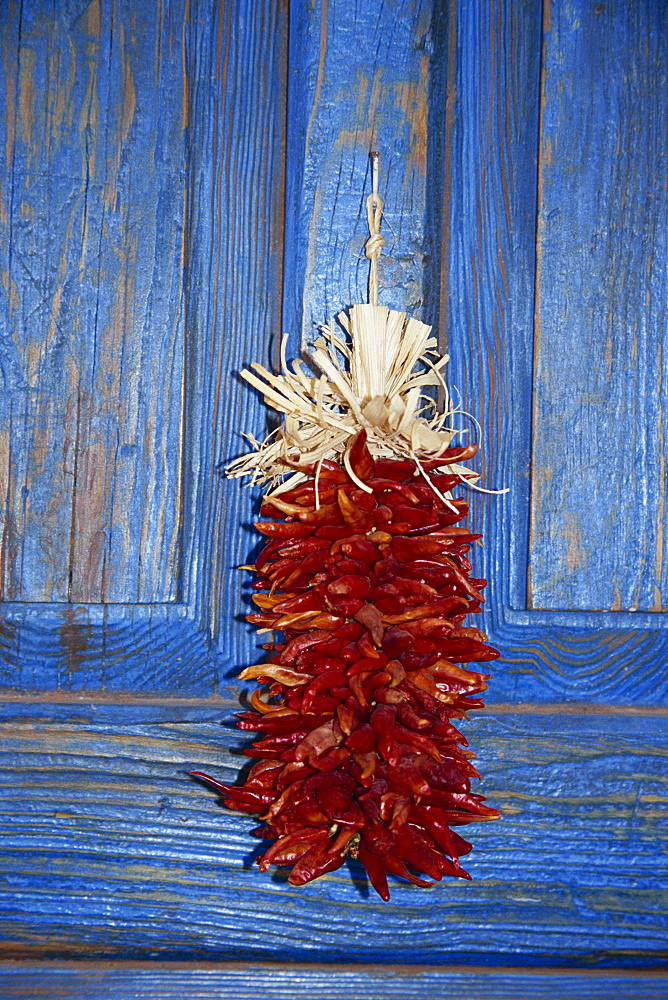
x,y
268,981
110,708
230,63
89,707
144,648
108,849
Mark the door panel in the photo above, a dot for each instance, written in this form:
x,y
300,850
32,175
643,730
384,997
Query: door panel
x,y
598,464
93,230
499,136
134,217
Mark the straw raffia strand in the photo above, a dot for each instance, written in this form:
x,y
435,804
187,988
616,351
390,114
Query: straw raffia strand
x,y
376,381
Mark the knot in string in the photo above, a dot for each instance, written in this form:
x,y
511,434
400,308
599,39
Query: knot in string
x,y
375,243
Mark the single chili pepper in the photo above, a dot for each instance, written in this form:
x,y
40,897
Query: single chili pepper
x,y
283,529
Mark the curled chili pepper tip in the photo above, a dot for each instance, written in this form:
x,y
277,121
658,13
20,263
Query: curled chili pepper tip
x,y
357,755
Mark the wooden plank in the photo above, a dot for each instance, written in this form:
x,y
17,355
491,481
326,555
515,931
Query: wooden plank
x,y
598,537
109,647
236,72
234,64
113,708
233,282
272,981
94,212
491,129
108,849
360,79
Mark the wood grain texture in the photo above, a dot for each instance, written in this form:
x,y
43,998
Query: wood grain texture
x,y
110,647
360,80
120,708
598,519
266,981
228,115
491,124
108,849
115,708
92,352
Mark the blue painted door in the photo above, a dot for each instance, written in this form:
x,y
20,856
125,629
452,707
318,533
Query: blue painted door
x,y
183,182
121,134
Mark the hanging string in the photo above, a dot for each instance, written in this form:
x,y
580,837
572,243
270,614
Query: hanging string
x,y
375,243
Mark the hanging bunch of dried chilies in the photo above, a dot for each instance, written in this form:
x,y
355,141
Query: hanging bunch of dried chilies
x,y
366,574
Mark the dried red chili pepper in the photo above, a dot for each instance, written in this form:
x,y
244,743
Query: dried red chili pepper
x,y
366,574
358,755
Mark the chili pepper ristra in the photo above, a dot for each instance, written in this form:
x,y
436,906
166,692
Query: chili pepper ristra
x,y
366,574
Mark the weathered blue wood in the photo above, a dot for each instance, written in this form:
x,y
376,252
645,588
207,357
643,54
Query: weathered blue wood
x,y
107,848
93,157
234,68
492,141
265,981
490,123
118,708
228,66
112,648
112,708
598,519
359,80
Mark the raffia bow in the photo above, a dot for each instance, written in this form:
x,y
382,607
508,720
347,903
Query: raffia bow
x,y
376,381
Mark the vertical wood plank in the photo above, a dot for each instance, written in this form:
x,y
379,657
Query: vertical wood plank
x,y
490,121
223,87
360,80
92,349
238,69
598,533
